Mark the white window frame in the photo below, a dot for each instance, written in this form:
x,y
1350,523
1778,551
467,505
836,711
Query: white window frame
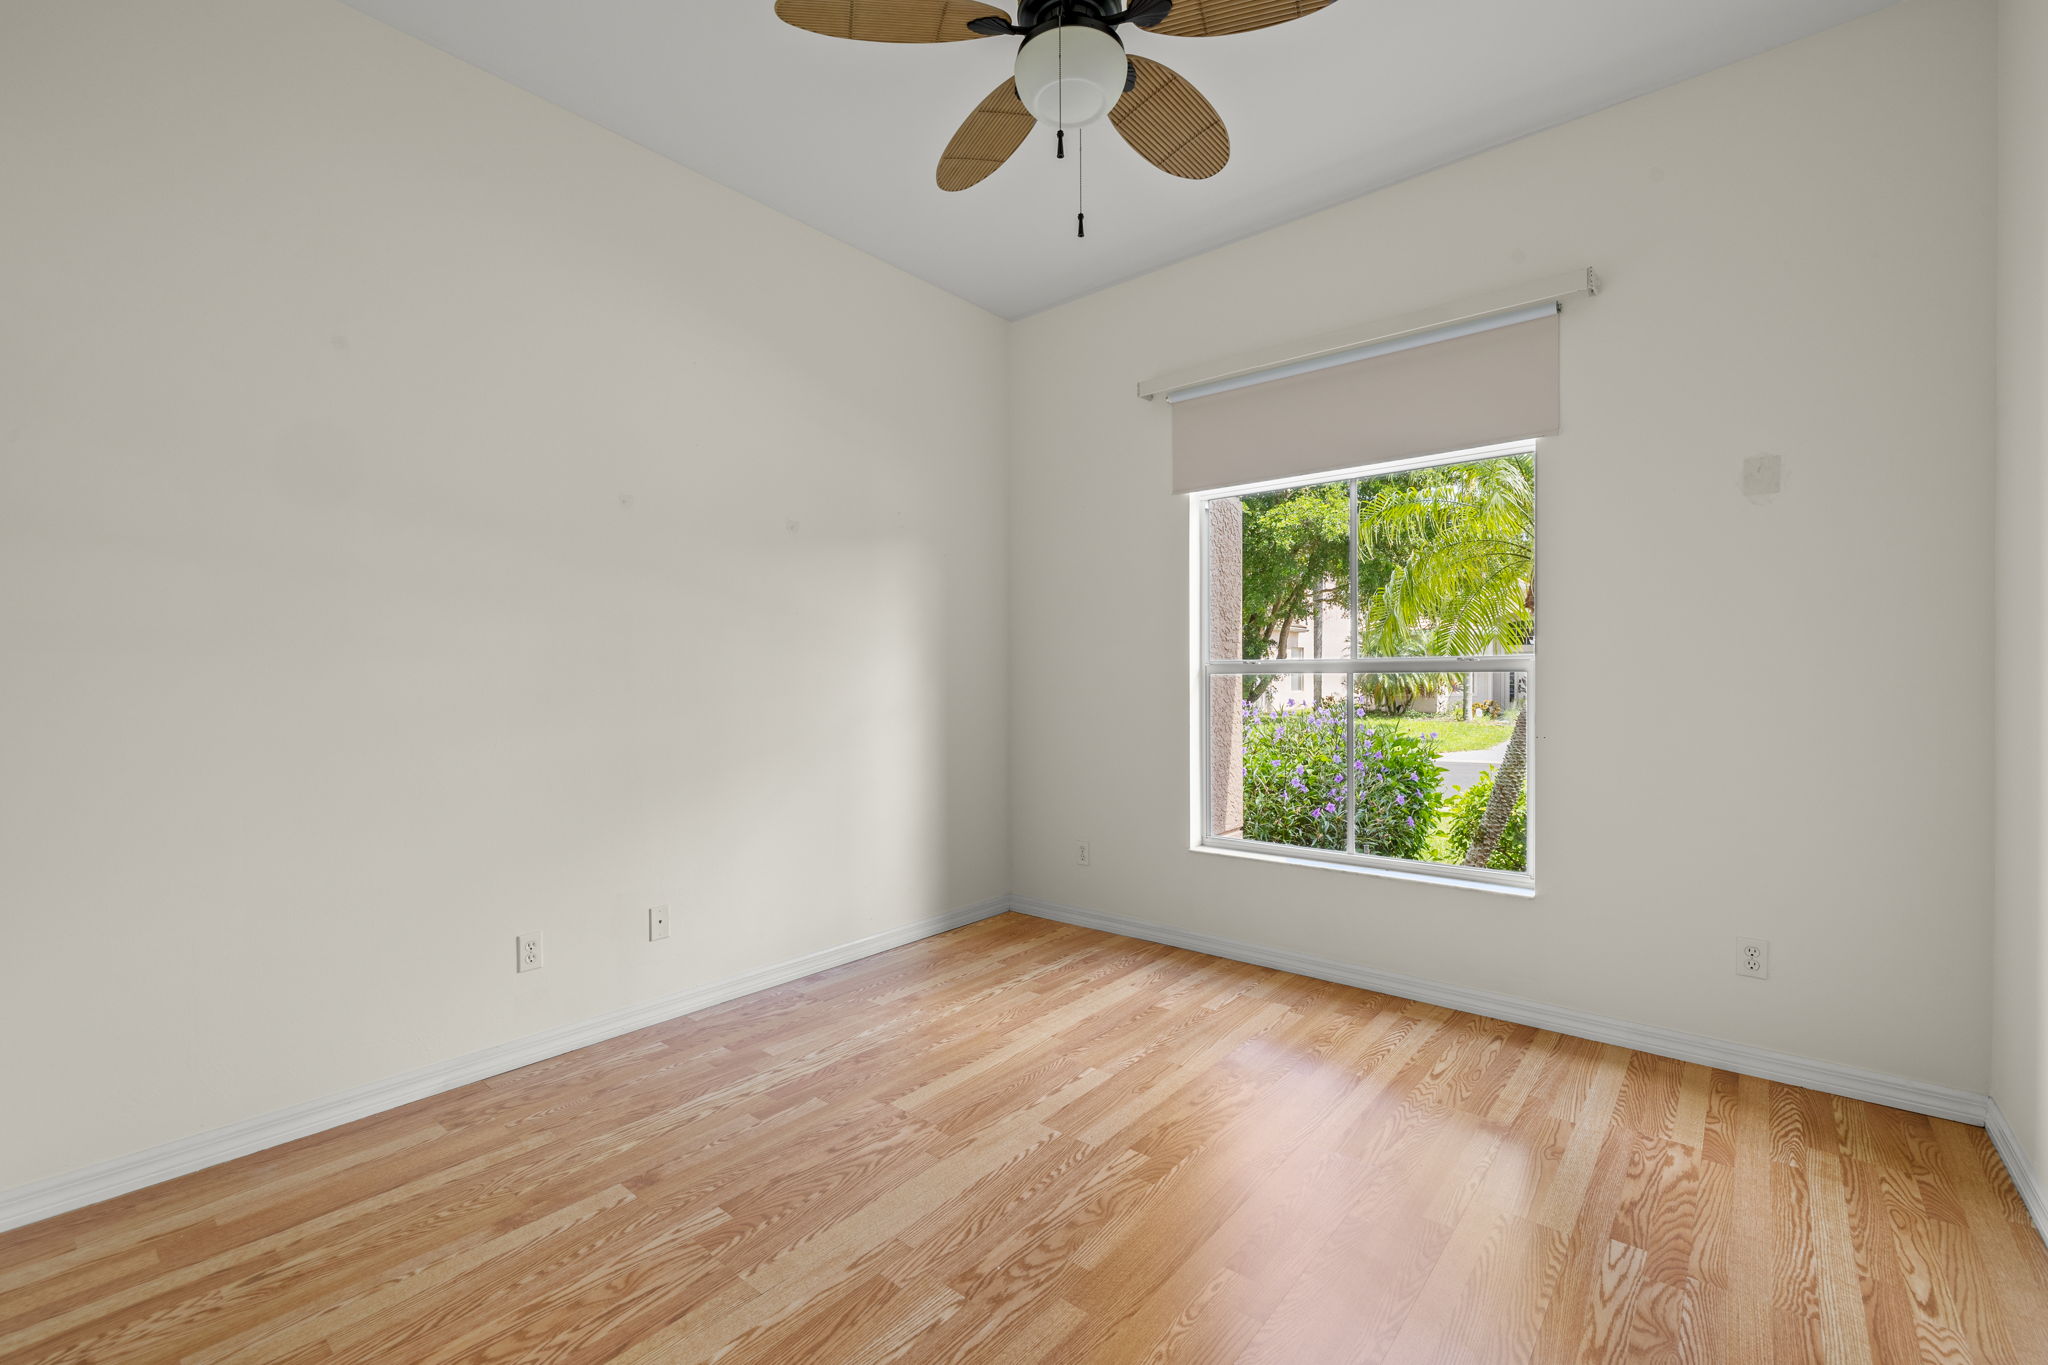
x,y
1206,670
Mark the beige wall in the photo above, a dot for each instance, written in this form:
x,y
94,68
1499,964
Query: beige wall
x,y
395,474
2020,1034
1798,258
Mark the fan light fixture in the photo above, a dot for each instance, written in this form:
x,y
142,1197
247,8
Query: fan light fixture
x,y
1071,75
1071,71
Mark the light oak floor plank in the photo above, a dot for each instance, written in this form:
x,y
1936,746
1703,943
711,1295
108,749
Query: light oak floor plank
x,y
1029,1142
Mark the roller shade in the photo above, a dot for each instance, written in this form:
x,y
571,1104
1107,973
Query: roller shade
x,y
1479,382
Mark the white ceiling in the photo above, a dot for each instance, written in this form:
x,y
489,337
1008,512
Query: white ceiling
x,y
845,136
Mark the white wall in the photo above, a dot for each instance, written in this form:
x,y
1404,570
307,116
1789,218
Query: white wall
x,y
396,472
1738,735
2020,1031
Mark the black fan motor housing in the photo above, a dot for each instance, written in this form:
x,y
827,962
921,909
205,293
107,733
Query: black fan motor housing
x,y
1035,14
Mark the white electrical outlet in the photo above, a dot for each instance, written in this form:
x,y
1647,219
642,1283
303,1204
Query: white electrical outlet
x,y
1081,853
657,922
531,959
1754,958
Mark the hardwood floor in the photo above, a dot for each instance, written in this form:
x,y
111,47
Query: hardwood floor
x,y
1026,1142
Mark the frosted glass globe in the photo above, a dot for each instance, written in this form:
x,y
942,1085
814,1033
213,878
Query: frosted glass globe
x,y
1070,75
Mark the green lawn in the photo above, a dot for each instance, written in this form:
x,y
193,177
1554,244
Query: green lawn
x,y
1453,736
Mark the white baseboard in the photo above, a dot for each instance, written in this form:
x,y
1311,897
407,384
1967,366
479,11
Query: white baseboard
x,y
2024,1178
60,1194
1920,1097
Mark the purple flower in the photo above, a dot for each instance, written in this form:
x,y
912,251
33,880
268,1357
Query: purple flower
x,y
1401,799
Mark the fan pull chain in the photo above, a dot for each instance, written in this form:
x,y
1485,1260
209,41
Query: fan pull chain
x,y
1059,59
1080,184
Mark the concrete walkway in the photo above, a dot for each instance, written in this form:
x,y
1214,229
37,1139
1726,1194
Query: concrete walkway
x,y
1462,769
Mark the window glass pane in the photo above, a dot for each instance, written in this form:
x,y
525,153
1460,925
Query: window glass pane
x,y
1446,559
1277,759
1429,751
1280,574
1414,766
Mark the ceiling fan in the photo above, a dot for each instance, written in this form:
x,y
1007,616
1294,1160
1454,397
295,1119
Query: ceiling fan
x,y
1072,70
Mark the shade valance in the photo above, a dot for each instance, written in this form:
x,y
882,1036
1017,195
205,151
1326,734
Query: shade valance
x,y
1487,381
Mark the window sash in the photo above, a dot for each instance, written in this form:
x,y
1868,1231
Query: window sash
x,y
1210,669
1206,837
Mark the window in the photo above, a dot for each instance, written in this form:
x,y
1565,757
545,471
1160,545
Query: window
x,y
1396,736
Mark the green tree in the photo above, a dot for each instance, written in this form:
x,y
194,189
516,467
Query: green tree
x,y
1297,553
1297,562
1460,540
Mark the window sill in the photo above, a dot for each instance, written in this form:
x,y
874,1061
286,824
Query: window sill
x,y
1525,889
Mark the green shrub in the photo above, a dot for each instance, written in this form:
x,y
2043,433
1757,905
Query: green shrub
x,y
1295,779
1462,814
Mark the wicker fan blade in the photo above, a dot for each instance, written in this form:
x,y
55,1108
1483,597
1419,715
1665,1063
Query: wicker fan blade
x,y
996,128
1167,122
1208,18
889,21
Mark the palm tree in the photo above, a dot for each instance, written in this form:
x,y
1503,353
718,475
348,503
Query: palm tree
x,y
1462,542
1396,692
